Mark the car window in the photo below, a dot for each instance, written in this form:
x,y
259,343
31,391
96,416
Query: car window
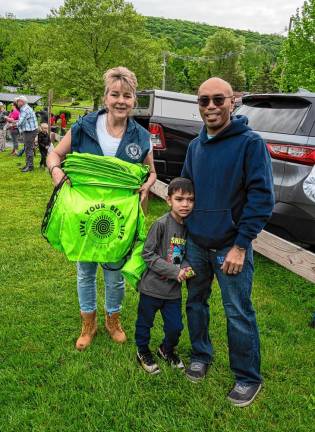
x,y
277,115
143,101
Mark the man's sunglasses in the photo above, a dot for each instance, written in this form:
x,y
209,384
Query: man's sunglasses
x,y
204,101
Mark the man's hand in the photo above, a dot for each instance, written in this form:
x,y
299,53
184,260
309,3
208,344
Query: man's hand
x,y
234,261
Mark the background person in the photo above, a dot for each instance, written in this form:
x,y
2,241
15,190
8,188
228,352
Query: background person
x,y
14,132
309,190
63,123
27,124
3,115
108,132
230,168
43,140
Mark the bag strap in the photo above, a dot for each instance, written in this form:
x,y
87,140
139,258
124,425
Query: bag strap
x,y
50,206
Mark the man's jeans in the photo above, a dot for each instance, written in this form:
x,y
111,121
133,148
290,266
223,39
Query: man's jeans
x,y
29,138
15,135
114,286
242,331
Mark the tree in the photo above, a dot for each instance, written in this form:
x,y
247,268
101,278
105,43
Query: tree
x,y
89,36
297,61
258,64
226,51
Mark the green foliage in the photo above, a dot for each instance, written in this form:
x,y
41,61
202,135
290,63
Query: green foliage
x,y
70,51
297,63
187,38
87,37
226,50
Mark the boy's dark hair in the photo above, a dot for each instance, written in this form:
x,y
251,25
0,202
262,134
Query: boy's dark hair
x,y
180,183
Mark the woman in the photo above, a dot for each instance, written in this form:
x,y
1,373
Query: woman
x,y
15,115
108,132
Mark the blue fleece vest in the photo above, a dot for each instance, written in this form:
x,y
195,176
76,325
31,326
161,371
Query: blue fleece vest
x,y
133,148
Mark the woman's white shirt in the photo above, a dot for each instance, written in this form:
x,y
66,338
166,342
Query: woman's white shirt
x,y
108,143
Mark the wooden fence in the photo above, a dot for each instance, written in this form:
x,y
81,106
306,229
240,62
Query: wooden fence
x,y
289,255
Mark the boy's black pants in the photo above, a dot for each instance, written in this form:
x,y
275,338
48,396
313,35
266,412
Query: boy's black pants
x,y
171,311
43,154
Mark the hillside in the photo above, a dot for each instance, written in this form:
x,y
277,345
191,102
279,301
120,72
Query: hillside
x,y
187,34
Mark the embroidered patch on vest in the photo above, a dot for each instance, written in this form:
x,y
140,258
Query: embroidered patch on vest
x,y
133,151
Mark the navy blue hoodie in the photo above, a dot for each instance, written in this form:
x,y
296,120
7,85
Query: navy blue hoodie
x,y
233,184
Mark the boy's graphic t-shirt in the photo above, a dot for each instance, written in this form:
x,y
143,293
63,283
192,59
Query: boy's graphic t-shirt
x,y
176,250
164,252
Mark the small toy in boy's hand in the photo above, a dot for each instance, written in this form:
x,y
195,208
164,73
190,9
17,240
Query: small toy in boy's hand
x,y
189,273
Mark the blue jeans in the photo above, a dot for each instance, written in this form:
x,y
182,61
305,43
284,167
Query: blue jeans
x,y
86,284
242,331
171,311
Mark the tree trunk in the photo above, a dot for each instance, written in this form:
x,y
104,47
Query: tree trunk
x,y
96,101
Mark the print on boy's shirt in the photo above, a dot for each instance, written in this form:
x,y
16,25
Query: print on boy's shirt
x,y
176,250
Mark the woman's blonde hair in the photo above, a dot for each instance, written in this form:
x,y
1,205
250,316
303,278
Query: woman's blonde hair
x,y
122,74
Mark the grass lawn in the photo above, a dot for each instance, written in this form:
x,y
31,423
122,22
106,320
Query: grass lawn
x,y
48,386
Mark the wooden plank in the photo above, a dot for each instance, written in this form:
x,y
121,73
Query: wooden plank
x,y
289,255
160,189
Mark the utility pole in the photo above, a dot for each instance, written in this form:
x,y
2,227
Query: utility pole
x,y
50,99
285,59
164,69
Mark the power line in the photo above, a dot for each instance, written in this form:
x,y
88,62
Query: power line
x,y
202,58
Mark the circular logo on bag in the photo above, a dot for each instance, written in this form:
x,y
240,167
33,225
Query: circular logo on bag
x,y
103,226
134,151
103,223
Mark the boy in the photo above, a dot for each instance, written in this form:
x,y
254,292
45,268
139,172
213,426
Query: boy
x,y
160,286
43,143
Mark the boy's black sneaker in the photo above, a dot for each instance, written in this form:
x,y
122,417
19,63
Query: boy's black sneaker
x,y
147,362
172,358
196,371
243,395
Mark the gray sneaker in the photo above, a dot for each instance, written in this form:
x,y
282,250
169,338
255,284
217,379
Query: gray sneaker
x,y
243,395
147,362
196,371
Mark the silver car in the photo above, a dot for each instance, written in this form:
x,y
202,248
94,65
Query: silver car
x,y
287,123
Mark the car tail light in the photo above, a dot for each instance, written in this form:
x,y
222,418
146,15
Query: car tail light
x,y
157,136
299,154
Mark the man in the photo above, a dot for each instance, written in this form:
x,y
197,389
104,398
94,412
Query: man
x,y
3,115
231,171
27,124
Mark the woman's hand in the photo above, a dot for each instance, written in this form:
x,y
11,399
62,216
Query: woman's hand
x,y
55,158
57,175
144,192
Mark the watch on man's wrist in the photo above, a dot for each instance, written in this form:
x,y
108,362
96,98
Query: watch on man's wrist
x,y
239,248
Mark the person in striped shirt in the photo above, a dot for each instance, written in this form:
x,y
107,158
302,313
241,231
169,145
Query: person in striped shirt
x,y
27,125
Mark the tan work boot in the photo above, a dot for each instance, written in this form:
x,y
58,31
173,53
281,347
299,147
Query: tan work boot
x,y
89,329
113,326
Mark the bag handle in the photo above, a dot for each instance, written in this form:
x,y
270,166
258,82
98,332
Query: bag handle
x,y
51,204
